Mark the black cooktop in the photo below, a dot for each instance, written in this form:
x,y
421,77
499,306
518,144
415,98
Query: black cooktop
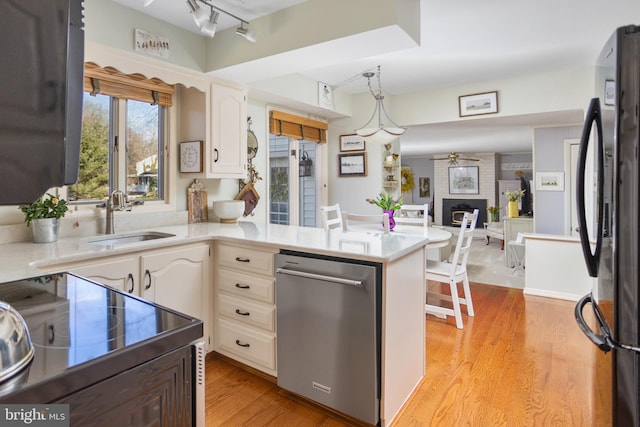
x,y
83,332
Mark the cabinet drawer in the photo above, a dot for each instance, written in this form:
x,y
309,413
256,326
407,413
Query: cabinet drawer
x,y
247,343
246,259
244,311
259,288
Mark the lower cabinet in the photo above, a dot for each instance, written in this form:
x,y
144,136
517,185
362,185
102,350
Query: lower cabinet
x,y
244,305
177,278
157,393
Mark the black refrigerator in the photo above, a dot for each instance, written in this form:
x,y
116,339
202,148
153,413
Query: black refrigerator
x,y
608,204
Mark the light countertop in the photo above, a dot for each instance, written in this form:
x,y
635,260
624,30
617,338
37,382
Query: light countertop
x,y
22,260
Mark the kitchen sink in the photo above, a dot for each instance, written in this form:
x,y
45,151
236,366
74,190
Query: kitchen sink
x,y
123,239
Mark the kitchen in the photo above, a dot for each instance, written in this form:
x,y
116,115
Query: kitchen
x,y
90,221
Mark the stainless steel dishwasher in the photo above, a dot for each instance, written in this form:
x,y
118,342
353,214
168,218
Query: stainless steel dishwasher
x,y
328,331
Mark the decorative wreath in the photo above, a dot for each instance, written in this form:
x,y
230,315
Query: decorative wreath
x,y
407,180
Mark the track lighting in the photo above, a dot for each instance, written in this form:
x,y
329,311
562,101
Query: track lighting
x,y
245,32
209,27
208,22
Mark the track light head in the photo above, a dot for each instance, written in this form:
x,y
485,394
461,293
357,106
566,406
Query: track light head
x,y
199,15
209,27
246,33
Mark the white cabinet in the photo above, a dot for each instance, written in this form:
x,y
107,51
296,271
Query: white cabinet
x,y
177,278
226,150
245,309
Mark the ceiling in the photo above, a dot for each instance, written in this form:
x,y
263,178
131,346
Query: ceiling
x,y
462,42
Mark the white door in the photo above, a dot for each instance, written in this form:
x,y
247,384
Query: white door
x,y
572,147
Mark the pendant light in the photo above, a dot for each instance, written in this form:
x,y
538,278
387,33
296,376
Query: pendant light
x,y
379,133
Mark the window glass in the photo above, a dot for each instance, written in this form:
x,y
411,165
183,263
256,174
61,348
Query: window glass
x,y
93,177
144,150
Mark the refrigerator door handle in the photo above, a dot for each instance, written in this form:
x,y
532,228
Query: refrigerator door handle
x,y
592,259
603,341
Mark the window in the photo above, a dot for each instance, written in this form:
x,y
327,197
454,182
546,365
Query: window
x,y
123,141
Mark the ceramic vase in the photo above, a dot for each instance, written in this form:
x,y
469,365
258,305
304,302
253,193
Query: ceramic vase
x,y
45,230
513,209
392,222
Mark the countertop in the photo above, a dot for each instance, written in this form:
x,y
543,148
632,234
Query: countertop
x,y
22,260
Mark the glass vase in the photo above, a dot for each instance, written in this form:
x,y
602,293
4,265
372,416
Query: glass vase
x,y
392,222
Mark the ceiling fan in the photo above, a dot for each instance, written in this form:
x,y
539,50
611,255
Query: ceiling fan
x,y
453,158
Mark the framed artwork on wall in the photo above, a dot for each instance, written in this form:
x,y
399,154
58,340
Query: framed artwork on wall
x,y
550,181
191,156
352,143
463,180
354,164
478,103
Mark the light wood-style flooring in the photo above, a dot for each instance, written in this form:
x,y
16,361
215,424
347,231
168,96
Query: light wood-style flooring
x,y
521,361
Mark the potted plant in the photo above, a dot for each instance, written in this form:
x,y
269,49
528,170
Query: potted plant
x,y
493,212
388,204
45,214
513,197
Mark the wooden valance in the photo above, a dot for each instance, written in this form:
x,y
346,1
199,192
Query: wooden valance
x,y
111,82
284,124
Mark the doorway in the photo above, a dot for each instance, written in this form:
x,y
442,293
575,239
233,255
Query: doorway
x,y
293,181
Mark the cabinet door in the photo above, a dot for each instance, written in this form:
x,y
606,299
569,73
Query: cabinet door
x,y
178,279
156,393
228,155
119,273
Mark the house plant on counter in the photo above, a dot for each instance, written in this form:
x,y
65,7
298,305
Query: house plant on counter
x,y
388,204
45,214
513,197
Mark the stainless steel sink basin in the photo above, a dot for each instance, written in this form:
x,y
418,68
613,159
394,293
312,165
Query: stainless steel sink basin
x,y
123,239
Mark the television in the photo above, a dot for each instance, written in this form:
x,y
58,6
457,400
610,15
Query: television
x,y
41,84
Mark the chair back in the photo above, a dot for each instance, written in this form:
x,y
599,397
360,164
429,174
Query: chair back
x,y
413,214
463,245
349,219
331,216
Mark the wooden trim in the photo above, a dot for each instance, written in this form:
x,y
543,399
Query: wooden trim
x,y
130,86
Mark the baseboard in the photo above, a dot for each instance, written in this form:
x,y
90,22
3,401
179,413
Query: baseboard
x,y
551,294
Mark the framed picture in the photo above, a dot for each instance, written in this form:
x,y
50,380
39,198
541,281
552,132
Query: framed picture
x,y
352,164
463,180
351,143
191,156
151,44
609,92
550,181
478,103
425,187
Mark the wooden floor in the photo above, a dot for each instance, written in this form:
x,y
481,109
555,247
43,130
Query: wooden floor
x,y
521,361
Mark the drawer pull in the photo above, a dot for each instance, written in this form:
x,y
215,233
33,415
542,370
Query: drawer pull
x,y
242,259
132,281
238,285
242,313
242,345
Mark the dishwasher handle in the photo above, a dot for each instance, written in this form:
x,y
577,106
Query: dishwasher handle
x,y
340,280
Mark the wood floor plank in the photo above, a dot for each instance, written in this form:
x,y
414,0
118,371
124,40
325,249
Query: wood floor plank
x,y
520,361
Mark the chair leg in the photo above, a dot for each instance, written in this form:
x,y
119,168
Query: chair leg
x,y
455,299
467,295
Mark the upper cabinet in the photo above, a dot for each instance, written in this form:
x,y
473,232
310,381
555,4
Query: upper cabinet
x,y
226,151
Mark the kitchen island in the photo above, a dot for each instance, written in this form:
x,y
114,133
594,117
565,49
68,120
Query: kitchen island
x,y
402,259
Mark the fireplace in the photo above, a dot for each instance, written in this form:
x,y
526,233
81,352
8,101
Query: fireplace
x,y
453,210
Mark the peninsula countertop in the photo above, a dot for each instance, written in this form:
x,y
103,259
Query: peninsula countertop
x,y
21,260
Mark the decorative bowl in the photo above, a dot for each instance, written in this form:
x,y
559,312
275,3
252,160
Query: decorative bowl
x,y
228,210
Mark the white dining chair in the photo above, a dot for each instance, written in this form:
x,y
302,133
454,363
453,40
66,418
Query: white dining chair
x,y
453,273
331,216
413,214
349,220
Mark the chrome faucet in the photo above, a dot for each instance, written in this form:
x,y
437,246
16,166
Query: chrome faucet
x,y
117,201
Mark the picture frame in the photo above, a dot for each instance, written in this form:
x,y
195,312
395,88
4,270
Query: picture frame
x,y
425,187
463,180
191,156
152,44
610,92
352,164
478,103
550,181
352,142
